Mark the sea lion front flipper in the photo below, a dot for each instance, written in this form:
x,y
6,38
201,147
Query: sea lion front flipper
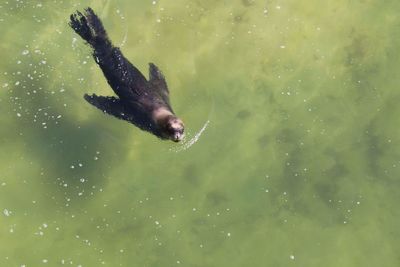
x,y
110,105
158,83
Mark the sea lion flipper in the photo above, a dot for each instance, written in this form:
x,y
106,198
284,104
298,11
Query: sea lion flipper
x,y
157,80
110,105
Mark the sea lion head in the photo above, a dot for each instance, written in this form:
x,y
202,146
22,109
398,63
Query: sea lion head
x,y
174,129
169,126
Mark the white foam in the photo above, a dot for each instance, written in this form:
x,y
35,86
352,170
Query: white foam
x,y
186,144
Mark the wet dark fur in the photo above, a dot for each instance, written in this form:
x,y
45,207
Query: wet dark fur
x,y
137,96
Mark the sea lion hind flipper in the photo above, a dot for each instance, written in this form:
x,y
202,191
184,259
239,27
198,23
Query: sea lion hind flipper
x,y
90,28
109,105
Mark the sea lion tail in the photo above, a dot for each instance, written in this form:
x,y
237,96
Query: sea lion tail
x,y
90,28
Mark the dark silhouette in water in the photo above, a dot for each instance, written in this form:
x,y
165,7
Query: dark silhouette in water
x,y
145,103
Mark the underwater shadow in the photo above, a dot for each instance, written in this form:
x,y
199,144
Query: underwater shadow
x,y
75,156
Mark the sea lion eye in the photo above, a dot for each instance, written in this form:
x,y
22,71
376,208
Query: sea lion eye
x,y
170,128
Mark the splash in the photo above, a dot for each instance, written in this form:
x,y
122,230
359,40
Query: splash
x,y
125,37
186,144
122,17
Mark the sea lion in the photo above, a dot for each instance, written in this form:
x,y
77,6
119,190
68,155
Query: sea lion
x,y
144,103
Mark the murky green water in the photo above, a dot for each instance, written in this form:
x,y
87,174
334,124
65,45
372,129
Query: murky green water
x,y
298,165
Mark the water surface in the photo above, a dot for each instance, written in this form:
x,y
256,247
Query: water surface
x,y
298,164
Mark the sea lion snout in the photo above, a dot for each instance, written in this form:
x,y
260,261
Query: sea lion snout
x,y
178,137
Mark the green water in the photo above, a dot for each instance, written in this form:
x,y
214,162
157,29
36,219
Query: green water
x,y
297,166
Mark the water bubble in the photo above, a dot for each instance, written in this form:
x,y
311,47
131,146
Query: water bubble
x,y
6,212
